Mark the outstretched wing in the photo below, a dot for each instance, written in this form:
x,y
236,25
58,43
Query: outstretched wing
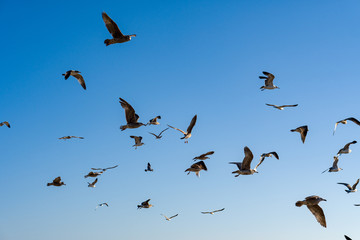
x,y
317,211
94,182
261,160
295,105
178,129
347,238
346,184
163,131
153,134
192,124
219,210
354,120
271,105
6,123
238,164
354,186
205,212
111,26
336,160
348,145
111,167
270,78
173,216
129,111
247,159
80,79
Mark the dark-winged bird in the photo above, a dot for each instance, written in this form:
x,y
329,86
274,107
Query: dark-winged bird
x,y
268,81
312,203
187,134
154,121
344,121
114,30
346,149
130,115
144,204
196,168
282,106
56,182
303,132
104,169
77,75
351,189
215,211
204,156
244,166
6,123
148,168
138,142
69,137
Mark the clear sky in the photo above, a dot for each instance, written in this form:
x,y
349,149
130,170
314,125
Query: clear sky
x,y
189,57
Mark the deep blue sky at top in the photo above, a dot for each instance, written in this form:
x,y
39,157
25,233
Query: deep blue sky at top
x,y
189,57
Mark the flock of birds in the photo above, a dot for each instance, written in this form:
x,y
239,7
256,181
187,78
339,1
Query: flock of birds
x,y
243,168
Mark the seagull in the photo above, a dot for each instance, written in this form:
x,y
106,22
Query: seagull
x,y
130,115
102,204
334,167
56,182
114,30
282,106
196,167
187,134
93,183
268,82
352,188
312,203
69,137
154,121
93,174
346,149
77,75
149,169
5,123
138,142
302,130
204,156
159,135
244,166
212,212
344,121
347,238
270,154
104,169
168,219
145,204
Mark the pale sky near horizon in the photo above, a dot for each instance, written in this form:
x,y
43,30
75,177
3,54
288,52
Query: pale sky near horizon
x,y
189,57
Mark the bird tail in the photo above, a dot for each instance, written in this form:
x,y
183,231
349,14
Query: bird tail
x,y
108,42
293,130
299,203
49,184
123,127
139,206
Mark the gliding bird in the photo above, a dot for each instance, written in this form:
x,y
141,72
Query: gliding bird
x,y
212,212
77,75
102,204
187,134
168,219
104,169
69,137
312,203
204,156
344,121
114,30
282,106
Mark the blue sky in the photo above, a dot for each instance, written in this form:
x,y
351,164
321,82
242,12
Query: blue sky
x,y
189,57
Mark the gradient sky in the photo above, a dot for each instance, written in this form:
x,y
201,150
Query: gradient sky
x,y
189,57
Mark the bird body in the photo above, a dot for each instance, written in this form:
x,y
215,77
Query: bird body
x,y
196,168
187,134
104,169
102,204
303,132
130,115
77,75
312,203
268,81
114,30
56,182
154,121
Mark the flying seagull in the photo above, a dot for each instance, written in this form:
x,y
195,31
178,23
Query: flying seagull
x,y
5,123
145,204
347,238
56,182
282,106
302,130
196,168
114,30
77,75
204,156
159,135
268,81
168,219
346,148
148,168
154,121
93,183
104,169
270,154
130,115
344,121
102,204
334,167
69,137
212,212
93,174
138,142
244,166
312,203
352,188
187,134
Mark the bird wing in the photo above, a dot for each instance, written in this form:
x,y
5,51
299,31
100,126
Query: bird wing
x,y
80,79
303,132
219,210
295,105
96,169
57,180
199,165
137,139
348,145
148,165
67,74
238,164
111,26
6,123
178,129
94,182
270,78
275,155
354,186
347,185
145,202
153,134
192,124
336,160
205,212
129,111
111,167
247,159
163,131
173,216
261,160
317,211
354,120
336,126
271,105
347,238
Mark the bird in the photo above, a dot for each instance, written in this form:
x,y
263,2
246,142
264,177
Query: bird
x,y
168,219
154,121
212,212
148,168
196,167
282,106
352,188
5,123
114,30
104,169
244,166
145,204
334,167
312,203
77,75
187,134
69,137
93,183
302,130
93,174
138,142
130,115
270,154
346,149
347,238
204,156
159,135
102,204
344,121
56,182
268,81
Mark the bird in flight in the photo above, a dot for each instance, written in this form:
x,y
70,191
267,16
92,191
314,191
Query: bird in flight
x,y
114,30
268,81
312,203
244,166
303,132
352,188
92,185
196,168
347,238
270,154
154,121
282,106
138,142
145,204
104,169
6,123
204,156
346,149
334,167
56,182
187,134
130,115
344,121
148,168
93,174
168,219
69,137
102,204
77,75
215,211
159,135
